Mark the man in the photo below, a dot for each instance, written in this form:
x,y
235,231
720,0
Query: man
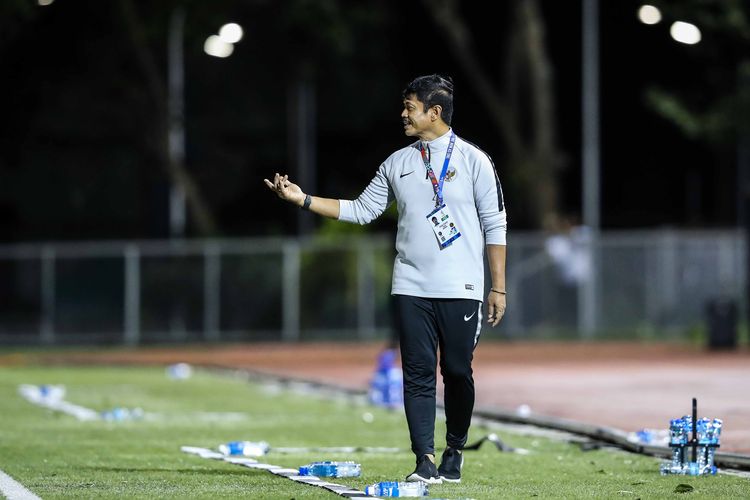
x,y
438,282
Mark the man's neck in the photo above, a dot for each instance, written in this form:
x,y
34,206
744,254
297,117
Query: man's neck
x,y
435,132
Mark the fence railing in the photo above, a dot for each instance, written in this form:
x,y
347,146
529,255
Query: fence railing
x,y
626,284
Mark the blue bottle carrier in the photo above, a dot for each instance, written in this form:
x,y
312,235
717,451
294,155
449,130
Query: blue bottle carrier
x,y
694,442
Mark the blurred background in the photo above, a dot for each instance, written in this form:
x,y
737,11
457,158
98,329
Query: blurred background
x,y
135,137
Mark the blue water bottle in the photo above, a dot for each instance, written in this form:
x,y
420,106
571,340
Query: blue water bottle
x,y
245,448
714,433
331,469
677,440
702,428
387,386
397,489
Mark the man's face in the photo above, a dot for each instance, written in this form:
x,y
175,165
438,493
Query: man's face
x,y
415,118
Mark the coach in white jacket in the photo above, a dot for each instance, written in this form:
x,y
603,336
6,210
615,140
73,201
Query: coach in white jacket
x,y
450,208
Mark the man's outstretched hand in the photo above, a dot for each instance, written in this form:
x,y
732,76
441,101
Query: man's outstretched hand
x,y
285,189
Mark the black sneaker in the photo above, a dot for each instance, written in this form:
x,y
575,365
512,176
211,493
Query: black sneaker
x,y
425,472
450,465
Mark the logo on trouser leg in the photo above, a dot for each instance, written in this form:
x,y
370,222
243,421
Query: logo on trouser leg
x,y
479,325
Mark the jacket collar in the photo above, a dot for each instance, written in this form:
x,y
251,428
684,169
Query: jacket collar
x,y
441,143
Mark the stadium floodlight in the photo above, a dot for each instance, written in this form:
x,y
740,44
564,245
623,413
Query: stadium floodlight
x,y
217,47
648,14
685,33
231,33
44,3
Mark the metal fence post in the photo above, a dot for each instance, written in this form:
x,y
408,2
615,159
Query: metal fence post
x,y
365,291
132,306
47,324
739,245
290,291
589,290
211,292
668,276
513,320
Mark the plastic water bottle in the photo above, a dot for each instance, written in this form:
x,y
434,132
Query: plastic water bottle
x,y
714,433
119,414
692,469
677,440
179,371
645,436
665,468
702,427
688,422
716,428
52,392
245,448
387,385
331,469
397,489
649,436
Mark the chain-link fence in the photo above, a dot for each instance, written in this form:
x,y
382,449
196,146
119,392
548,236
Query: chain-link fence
x,y
648,284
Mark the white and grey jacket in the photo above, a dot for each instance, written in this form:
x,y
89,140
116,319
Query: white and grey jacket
x,y
472,193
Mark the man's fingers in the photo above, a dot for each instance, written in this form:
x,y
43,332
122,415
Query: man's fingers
x,y
499,313
280,181
495,311
276,186
272,186
498,317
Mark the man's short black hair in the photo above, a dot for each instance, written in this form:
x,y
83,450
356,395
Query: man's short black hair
x,y
433,90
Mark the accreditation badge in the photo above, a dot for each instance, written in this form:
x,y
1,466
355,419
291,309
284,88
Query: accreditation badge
x,y
443,225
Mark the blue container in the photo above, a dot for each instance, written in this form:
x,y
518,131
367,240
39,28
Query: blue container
x,y
331,469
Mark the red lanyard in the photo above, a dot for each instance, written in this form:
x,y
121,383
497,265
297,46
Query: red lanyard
x,y
437,185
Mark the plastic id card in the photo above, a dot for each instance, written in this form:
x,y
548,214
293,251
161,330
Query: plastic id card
x,y
443,225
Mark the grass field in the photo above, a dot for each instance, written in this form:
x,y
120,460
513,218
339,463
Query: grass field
x,y
56,456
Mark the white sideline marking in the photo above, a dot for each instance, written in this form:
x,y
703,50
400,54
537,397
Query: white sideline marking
x,y
34,394
337,449
13,490
52,397
292,474
204,416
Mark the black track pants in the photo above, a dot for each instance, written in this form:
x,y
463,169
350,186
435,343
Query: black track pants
x,y
453,325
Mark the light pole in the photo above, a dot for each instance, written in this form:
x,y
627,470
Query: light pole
x,y
176,120
218,46
588,297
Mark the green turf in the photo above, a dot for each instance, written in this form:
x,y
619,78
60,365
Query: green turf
x,y
56,456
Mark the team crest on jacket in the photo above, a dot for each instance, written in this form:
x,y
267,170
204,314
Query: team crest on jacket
x,y
451,174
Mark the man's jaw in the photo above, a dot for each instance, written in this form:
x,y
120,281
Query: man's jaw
x,y
408,128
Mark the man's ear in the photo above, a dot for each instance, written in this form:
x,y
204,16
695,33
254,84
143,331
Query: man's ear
x,y
436,112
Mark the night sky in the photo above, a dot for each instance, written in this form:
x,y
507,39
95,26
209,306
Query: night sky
x,y
76,153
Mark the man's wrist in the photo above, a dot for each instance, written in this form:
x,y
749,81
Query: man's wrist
x,y
306,201
499,290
